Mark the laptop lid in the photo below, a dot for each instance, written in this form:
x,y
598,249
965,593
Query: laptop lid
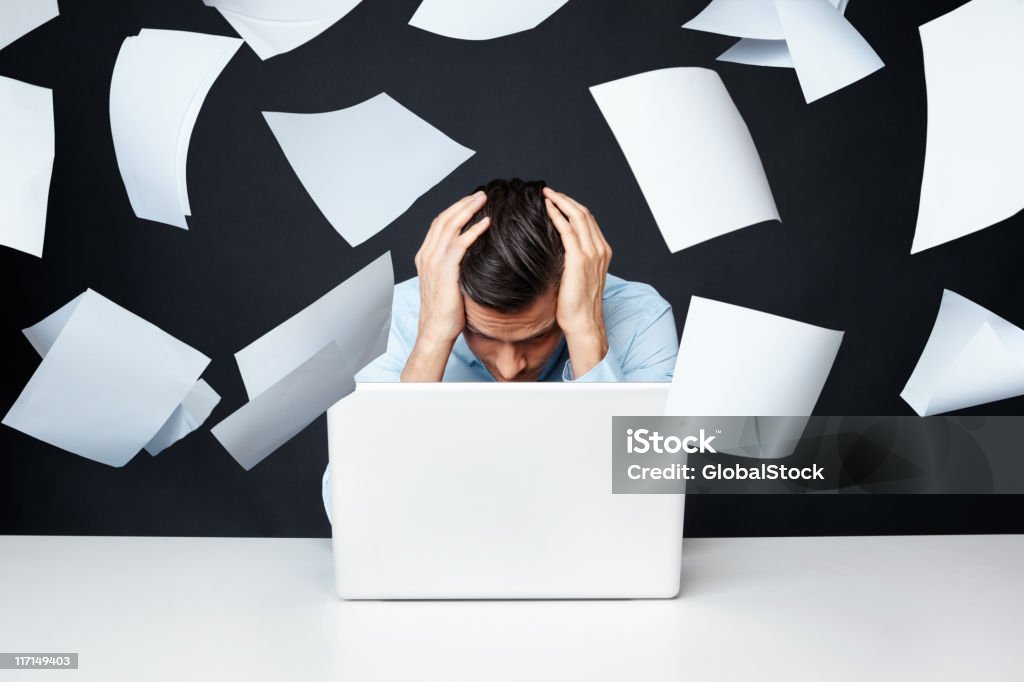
x,y
480,490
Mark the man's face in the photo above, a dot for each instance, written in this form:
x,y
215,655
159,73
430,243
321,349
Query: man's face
x,y
513,346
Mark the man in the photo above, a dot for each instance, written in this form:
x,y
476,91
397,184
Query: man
x,y
513,285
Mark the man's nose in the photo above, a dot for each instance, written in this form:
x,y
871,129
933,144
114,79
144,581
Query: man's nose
x,y
510,361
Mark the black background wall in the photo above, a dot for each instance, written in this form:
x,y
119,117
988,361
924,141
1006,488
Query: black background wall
x,y
845,172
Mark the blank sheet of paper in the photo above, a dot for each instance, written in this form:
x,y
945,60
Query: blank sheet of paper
x,y
194,409
737,361
827,51
272,27
974,159
157,88
482,19
690,151
972,357
18,17
811,36
365,165
741,19
108,382
356,315
26,164
758,51
278,414
294,372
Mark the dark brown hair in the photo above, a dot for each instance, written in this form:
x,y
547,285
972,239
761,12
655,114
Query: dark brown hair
x,y
517,258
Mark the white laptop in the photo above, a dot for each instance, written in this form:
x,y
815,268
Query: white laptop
x,y
494,491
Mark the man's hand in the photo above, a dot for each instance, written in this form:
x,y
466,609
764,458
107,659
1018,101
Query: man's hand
x,y
442,315
579,311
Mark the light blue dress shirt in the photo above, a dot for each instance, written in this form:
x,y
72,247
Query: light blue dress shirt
x,y
642,344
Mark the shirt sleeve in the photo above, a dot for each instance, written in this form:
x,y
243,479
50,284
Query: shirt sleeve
x,y
650,357
388,367
325,492
608,369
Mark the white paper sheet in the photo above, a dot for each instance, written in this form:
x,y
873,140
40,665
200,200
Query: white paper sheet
x,y
828,53
186,418
739,18
974,161
108,382
365,165
482,19
972,357
18,17
356,314
811,36
158,86
757,51
737,361
278,414
690,151
272,27
294,372
44,333
26,163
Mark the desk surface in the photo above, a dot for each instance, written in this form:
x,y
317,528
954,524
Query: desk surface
x,y
845,608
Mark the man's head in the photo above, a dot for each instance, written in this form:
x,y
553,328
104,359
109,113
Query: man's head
x,y
509,279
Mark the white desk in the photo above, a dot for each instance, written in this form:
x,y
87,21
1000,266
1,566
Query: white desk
x,y
823,609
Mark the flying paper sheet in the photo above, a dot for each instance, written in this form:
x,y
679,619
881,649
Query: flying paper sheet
x,y
482,19
271,27
743,19
737,361
44,333
811,36
758,51
690,151
186,418
26,163
973,165
356,314
108,382
742,362
294,372
18,17
365,165
158,86
972,357
274,417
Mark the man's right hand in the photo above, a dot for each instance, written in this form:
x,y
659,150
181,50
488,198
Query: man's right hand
x,y
442,314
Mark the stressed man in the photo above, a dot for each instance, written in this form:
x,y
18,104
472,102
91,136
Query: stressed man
x,y
513,285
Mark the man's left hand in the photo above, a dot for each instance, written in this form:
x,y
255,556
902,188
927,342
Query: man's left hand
x,y
579,312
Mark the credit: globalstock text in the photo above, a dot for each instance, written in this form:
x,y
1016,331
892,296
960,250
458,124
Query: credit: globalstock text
x,y
726,472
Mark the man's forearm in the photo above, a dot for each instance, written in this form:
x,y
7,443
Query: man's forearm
x,y
587,348
427,360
